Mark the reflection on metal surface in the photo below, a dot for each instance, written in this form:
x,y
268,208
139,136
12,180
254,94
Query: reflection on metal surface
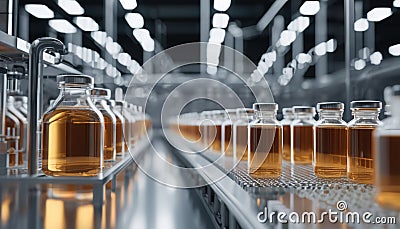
x,y
54,215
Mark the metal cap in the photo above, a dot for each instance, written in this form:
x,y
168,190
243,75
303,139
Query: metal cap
x,y
287,111
265,107
366,104
396,90
303,109
75,80
101,92
330,106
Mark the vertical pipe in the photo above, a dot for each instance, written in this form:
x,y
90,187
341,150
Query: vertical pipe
x,y
3,100
238,56
349,49
204,31
228,52
321,35
277,28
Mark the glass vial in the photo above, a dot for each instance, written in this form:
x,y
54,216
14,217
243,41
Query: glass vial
x,y
227,133
302,135
121,106
330,154
73,131
288,117
22,133
100,97
265,142
387,138
215,130
360,156
119,130
12,137
240,133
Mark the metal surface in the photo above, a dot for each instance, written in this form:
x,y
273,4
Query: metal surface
x,y
35,93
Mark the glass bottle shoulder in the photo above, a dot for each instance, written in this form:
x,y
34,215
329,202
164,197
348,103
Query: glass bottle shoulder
x,y
303,122
364,122
265,122
331,122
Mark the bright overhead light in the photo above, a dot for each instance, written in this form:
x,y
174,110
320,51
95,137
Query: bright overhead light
x,y
72,7
87,23
287,37
320,49
217,35
303,58
361,25
135,20
331,45
299,24
220,20
222,5
39,10
310,8
148,45
376,58
99,36
396,3
62,26
213,51
394,50
379,13
128,4
113,48
212,70
141,34
359,64
124,58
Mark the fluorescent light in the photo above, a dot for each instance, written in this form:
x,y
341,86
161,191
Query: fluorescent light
x,y
299,24
212,70
220,20
361,25
320,49
124,58
128,4
87,23
222,5
72,7
141,34
262,67
217,35
135,20
287,37
379,13
213,51
331,45
359,64
396,3
113,47
394,50
310,8
148,45
303,58
376,58
99,36
62,26
39,10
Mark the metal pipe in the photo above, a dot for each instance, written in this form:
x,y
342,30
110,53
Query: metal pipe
x,y
349,49
35,92
3,101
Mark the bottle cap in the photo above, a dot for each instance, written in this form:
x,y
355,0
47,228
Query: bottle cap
x,y
75,80
366,104
101,92
265,107
303,109
330,106
287,111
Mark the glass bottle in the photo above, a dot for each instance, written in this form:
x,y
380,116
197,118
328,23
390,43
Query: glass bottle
x,y
12,137
265,142
204,125
73,131
227,132
215,131
361,151
387,138
119,130
302,135
22,133
100,97
121,106
135,126
330,154
288,117
240,133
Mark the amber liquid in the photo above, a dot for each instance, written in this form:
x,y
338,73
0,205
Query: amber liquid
x,y
216,144
241,143
127,133
361,154
21,149
12,143
109,147
388,172
228,141
302,145
286,143
72,143
119,137
265,154
331,151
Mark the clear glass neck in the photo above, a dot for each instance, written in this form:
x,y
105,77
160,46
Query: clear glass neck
x,y
303,116
366,114
331,114
75,96
265,114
